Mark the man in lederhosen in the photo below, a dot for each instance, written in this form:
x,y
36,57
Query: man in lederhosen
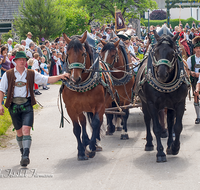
x,y
19,82
194,66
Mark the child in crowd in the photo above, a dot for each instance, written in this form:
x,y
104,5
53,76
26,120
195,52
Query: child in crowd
x,y
53,68
44,70
44,51
30,63
58,63
36,68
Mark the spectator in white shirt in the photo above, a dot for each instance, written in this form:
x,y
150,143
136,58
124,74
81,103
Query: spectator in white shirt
x,y
28,39
9,44
30,51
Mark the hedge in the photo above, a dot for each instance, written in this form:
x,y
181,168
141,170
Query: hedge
x,y
173,22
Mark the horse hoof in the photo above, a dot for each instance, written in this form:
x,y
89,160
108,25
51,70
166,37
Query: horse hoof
x,y
109,133
124,136
90,154
149,148
99,148
118,128
174,150
169,151
161,159
81,158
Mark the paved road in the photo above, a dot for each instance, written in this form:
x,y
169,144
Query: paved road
x,y
122,165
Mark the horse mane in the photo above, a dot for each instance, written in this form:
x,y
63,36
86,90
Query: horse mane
x,y
167,38
108,46
77,45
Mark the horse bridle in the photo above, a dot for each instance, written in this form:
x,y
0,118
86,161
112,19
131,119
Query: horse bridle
x,y
114,60
77,65
166,62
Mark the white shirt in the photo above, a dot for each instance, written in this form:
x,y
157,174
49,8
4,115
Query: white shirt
x,y
35,64
21,91
29,54
197,59
131,49
58,63
107,36
9,48
28,41
187,36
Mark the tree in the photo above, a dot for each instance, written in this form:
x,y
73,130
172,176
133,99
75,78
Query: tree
x,y
99,9
40,18
158,15
177,3
77,18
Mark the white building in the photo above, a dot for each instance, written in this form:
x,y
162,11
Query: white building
x,y
184,12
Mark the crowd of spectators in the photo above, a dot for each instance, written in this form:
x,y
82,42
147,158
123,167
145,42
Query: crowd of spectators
x,y
48,58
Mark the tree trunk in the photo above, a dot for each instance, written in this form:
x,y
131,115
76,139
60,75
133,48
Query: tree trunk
x,y
136,25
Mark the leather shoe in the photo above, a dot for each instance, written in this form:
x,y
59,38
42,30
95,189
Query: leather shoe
x,y
197,121
24,161
37,93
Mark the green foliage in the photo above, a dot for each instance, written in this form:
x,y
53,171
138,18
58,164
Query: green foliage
x,y
40,17
173,22
4,37
77,18
99,9
6,121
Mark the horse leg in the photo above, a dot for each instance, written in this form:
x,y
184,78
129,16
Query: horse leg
x,y
175,146
170,123
110,126
124,134
147,119
77,133
96,124
162,123
119,123
157,129
85,138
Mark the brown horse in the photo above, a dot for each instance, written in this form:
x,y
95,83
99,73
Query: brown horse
x,y
83,93
114,56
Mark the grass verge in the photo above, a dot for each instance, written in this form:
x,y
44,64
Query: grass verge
x,y
58,82
5,121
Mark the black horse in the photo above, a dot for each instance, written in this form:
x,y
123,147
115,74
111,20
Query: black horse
x,y
162,83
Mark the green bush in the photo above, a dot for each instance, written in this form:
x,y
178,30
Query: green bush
x,y
173,22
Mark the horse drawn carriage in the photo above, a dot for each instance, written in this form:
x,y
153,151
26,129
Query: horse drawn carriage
x,y
109,85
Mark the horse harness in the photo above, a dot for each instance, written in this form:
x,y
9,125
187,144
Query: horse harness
x,y
147,73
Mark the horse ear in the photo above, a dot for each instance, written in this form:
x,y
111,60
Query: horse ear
x,y
103,42
148,36
116,43
66,38
82,40
175,37
156,35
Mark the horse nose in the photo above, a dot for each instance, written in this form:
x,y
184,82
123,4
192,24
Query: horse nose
x,y
76,80
162,75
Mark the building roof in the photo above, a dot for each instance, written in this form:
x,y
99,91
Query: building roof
x,y
8,8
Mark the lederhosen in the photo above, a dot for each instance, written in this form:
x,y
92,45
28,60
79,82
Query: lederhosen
x,y
193,79
21,109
